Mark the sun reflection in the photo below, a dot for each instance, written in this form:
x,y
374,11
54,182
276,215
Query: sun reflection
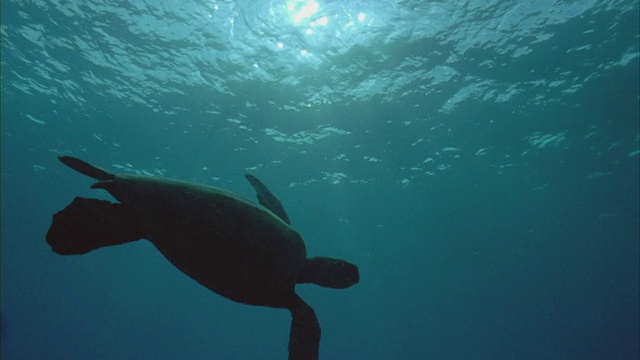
x,y
301,10
320,26
323,21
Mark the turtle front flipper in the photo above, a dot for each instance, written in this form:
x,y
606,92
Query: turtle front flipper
x,y
304,336
267,199
89,224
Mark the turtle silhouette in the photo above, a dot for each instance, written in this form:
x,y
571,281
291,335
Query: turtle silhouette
x,y
243,251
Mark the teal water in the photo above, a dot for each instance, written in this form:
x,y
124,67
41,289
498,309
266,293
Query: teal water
x,y
478,160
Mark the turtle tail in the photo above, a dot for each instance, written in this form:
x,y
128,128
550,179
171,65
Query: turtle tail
x,y
304,337
89,224
85,168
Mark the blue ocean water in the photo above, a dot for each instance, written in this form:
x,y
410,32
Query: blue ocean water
x,y
478,160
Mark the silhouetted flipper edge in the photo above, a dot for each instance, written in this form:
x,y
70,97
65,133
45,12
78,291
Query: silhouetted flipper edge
x,y
89,224
85,168
304,336
267,199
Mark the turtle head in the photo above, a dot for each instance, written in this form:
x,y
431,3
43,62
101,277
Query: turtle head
x,y
329,272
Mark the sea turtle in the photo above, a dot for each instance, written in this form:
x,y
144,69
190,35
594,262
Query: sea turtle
x,y
243,251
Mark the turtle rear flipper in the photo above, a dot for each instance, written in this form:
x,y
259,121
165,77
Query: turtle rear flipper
x,y
85,168
89,224
304,336
329,272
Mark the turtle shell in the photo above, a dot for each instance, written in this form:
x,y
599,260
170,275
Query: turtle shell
x,y
236,248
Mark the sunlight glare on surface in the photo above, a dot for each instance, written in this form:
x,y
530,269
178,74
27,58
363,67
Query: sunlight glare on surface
x,y
323,21
301,10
